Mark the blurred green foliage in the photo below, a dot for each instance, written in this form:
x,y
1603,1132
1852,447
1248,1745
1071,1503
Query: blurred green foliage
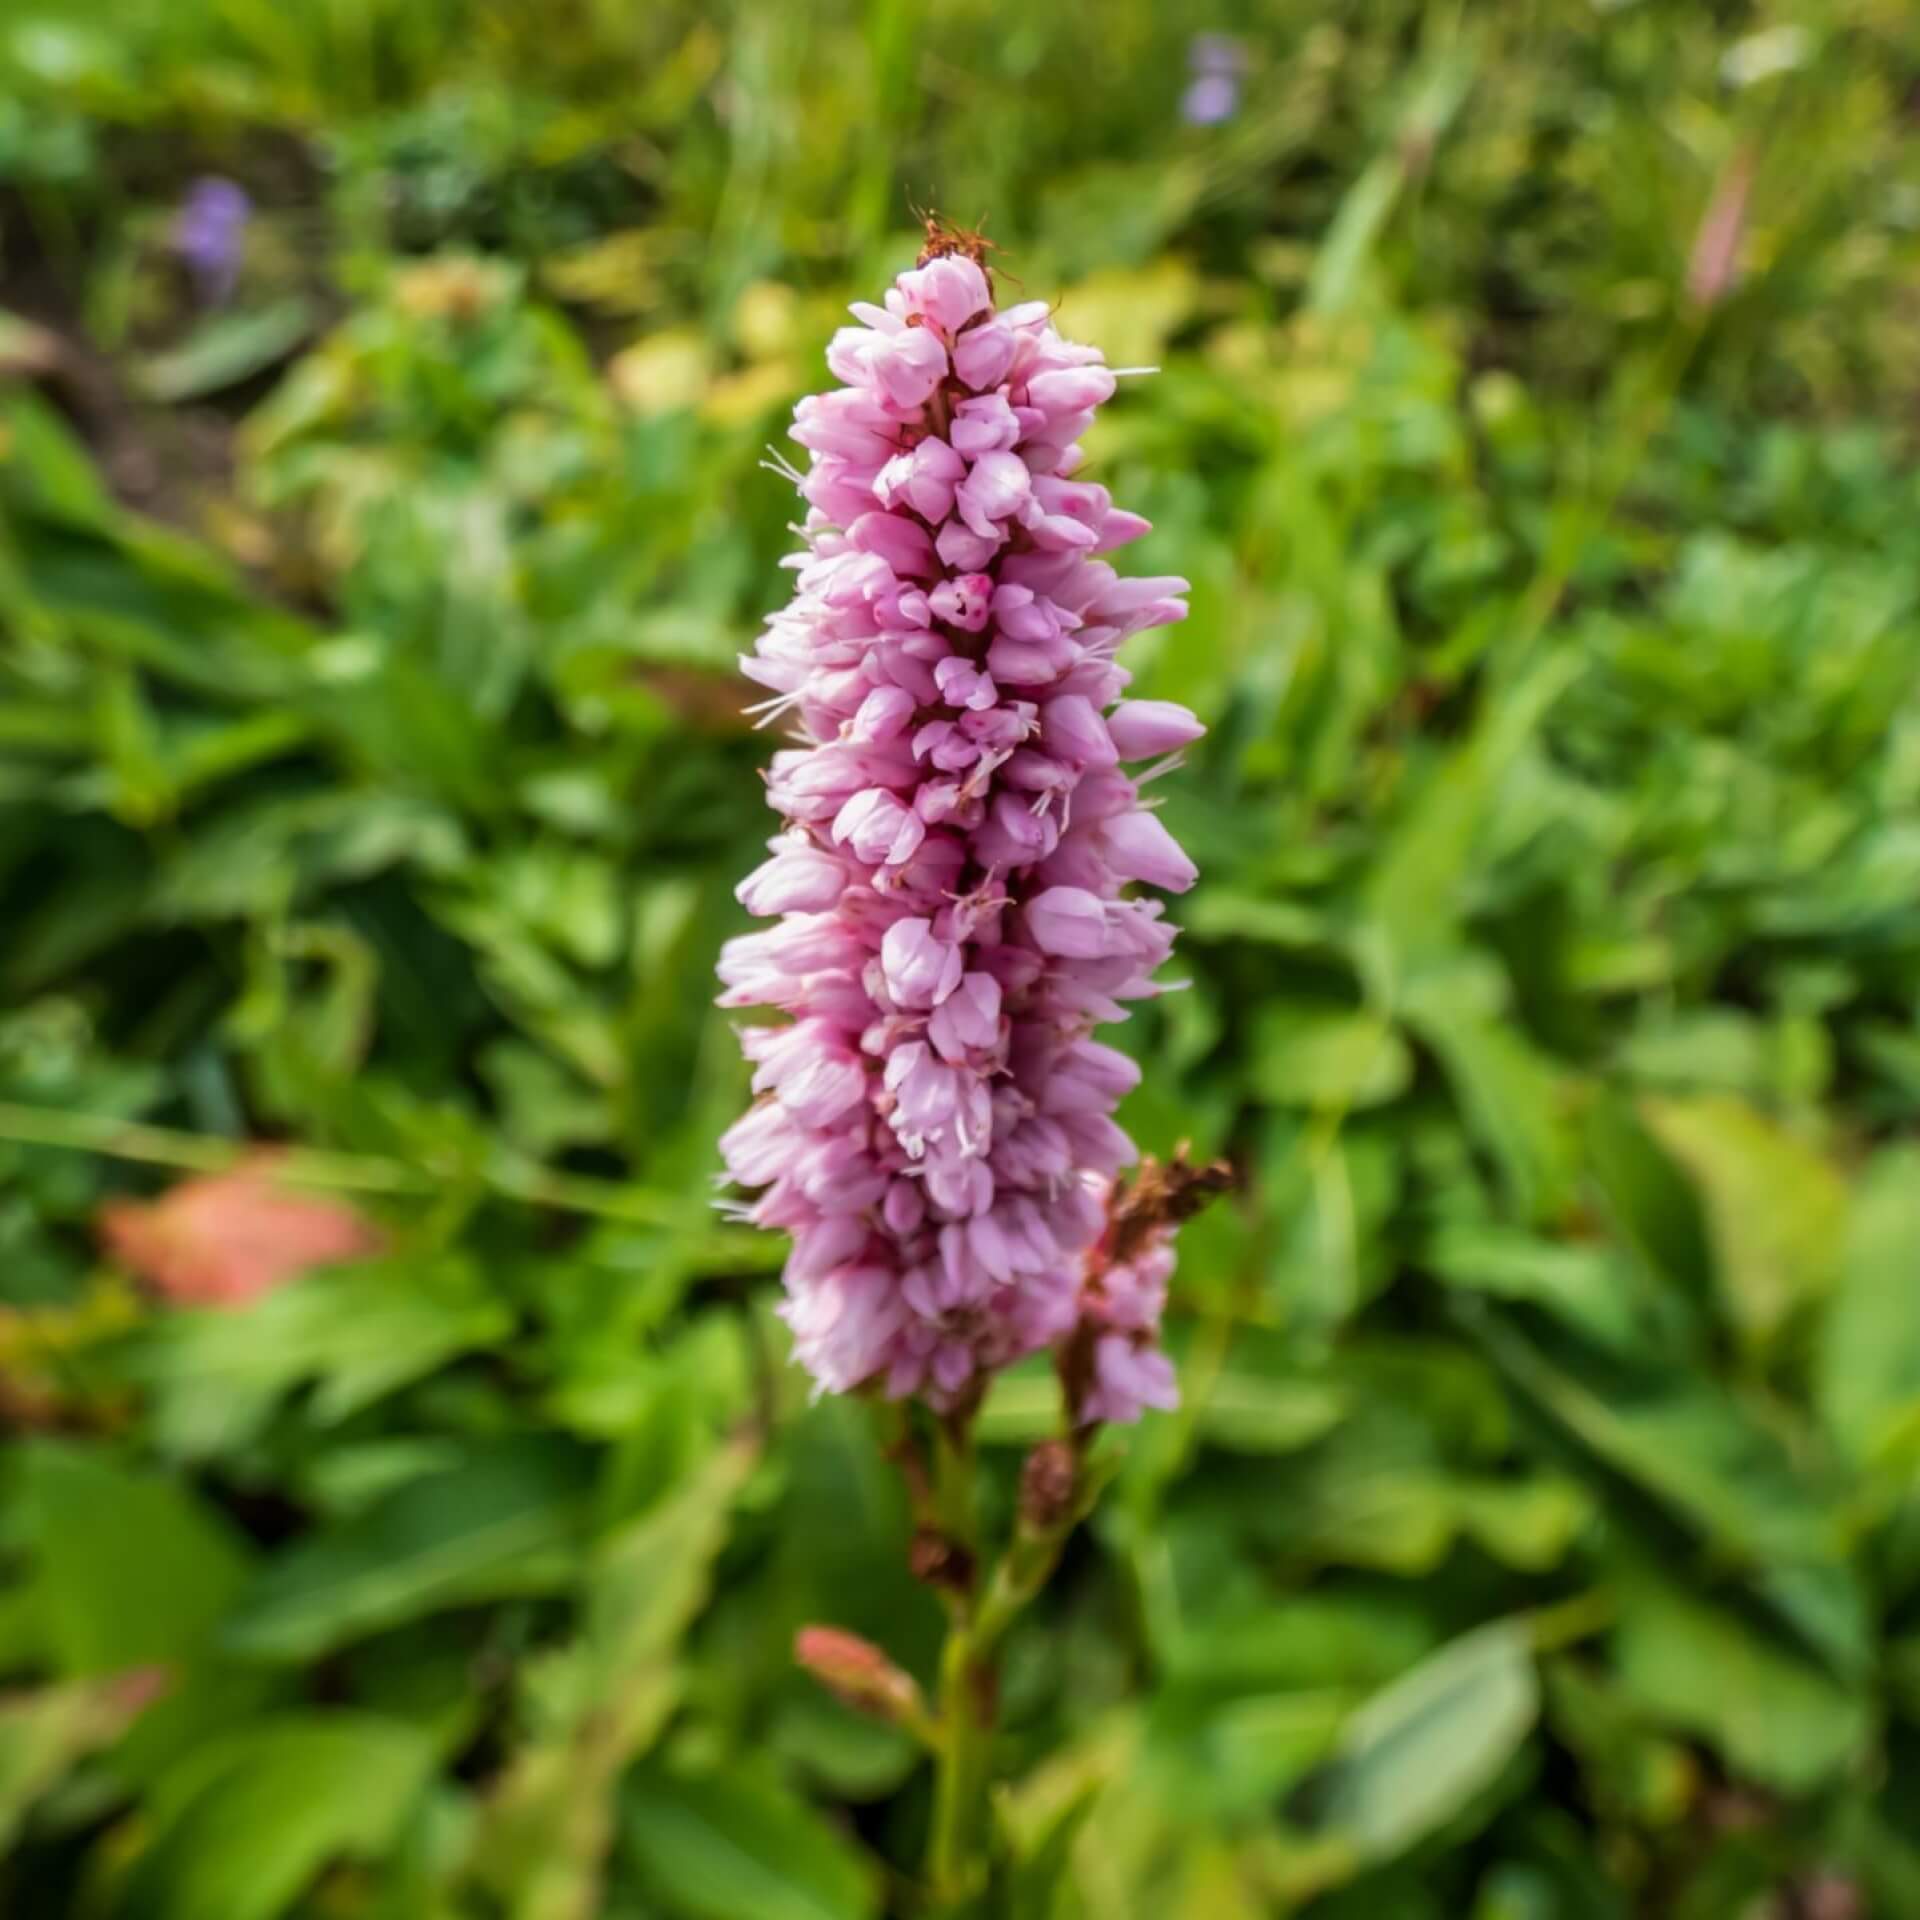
x,y
1540,1539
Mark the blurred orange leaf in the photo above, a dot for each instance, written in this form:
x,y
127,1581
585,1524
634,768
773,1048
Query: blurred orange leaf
x,y
228,1238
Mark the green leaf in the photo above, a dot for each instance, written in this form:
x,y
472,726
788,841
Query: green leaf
x,y
131,1569
1306,1057
1869,1354
243,1824
1509,1095
1346,1634
1529,1524
1417,1753
1654,1210
1022,1405
726,1845
1590,1289
1417,883
1714,1048
1775,1208
507,1520
1681,1438
1042,1872
1259,1401
48,464
844,1536
227,348
1219,913
1252,1749
1772,1714
547,1827
649,1579
1627,1763
1434,96
358,1332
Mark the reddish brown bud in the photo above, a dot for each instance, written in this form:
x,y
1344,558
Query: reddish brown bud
x,y
1048,1482
940,1562
859,1675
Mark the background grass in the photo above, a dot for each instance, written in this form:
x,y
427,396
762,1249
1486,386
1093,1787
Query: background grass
x,y
1539,1539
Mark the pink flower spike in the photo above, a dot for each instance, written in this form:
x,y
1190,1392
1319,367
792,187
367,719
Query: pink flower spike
x,y
1072,729
950,909
799,878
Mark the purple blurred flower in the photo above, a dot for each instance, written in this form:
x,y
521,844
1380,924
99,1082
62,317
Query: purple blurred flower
x,y
208,233
1217,62
1209,100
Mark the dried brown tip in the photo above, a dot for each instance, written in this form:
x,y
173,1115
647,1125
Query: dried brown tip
x,y
1162,1194
942,238
940,1562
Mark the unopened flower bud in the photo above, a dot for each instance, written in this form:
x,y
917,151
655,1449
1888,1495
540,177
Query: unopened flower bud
x,y
860,1676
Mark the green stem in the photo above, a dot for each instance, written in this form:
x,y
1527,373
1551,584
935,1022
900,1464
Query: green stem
x,y
1569,1621
970,1681
1024,1570
956,1852
508,1176
954,1466
1641,414
956,1849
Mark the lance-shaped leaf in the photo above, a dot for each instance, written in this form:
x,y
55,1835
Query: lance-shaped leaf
x,y
547,1826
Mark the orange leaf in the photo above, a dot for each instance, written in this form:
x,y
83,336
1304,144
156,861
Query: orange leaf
x,y
228,1238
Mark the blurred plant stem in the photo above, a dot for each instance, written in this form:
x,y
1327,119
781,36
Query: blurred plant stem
x,y
1644,401
507,1177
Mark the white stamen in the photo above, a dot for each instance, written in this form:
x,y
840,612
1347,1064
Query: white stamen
x,y
777,462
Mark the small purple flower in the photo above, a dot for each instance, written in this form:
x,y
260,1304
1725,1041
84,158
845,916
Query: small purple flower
x,y
951,897
209,231
1217,62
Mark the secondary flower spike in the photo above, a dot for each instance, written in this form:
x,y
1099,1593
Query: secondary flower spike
x,y
950,895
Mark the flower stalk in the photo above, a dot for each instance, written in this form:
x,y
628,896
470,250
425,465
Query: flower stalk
x,y
955,905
